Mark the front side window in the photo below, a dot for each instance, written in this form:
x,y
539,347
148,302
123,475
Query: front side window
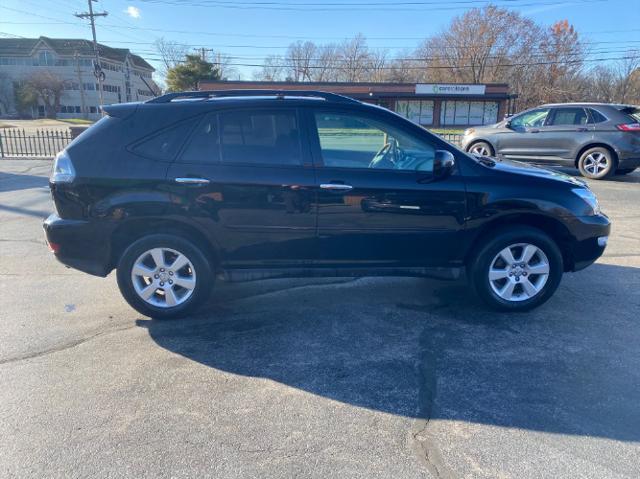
x,y
570,116
264,137
353,141
533,118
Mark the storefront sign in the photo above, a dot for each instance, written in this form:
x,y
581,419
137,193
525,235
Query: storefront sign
x,y
449,89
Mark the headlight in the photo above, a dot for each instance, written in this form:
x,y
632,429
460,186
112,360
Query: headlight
x,y
589,198
63,170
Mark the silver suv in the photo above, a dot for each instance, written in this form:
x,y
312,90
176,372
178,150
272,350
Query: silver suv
x,y
599,139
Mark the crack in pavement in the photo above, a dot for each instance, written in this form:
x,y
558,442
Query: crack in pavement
x,y
64,347
427,449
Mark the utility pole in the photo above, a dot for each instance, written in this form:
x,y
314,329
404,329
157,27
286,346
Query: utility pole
x,y
85,113
203,53
99,74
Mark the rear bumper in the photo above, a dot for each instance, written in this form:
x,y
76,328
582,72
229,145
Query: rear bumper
x,y
591,235
79,244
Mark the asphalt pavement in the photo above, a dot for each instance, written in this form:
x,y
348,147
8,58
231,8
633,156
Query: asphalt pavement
x,y
367,377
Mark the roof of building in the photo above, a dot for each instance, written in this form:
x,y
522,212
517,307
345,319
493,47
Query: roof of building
x,y
69,46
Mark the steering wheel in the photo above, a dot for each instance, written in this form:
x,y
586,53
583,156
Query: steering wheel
x,y
386,156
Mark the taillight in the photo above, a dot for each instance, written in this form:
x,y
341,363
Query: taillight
x,y
63,170
629,127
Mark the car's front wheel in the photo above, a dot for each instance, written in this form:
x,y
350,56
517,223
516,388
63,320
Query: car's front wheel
x,y
516,269
597,163
164,276
481,148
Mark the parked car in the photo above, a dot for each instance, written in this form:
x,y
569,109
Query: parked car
x,y
601,140
188,188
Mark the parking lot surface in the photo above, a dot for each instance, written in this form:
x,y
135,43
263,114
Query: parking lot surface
x,y
370,377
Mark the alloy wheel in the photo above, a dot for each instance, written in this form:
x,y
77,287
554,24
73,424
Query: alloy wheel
x,y
480,149
519,272
595,163
163,277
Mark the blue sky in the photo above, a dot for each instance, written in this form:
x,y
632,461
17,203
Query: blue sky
x,y
249,34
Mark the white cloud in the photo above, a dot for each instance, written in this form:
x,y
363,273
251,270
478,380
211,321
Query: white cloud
x,y
133,12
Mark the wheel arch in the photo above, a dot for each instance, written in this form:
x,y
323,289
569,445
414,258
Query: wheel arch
x,y
135,229
554,228
595,145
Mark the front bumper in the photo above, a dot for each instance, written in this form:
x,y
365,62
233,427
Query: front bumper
x,y
590,240
79,244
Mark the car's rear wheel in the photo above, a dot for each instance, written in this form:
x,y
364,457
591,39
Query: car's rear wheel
x,y
624,171
516,269
597,163
481,148
164,276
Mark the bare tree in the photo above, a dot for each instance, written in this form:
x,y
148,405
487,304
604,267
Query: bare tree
x,y
171,54
273,69
49,88
354,56
300,58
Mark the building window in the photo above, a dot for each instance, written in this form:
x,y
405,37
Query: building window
x,y
418,111
45,58
93,109
468,112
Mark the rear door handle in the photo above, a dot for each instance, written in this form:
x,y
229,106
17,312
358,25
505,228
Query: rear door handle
x,y
336,186
534,131
192,181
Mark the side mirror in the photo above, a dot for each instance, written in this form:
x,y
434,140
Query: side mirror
x,y
443,164
508,124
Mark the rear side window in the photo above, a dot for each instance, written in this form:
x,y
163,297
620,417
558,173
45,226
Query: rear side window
x,y
204,146
596,116
569,116
263,137
165,144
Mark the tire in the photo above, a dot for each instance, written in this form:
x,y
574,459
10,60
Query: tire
x,y
625,171
171,291
481,148
488,257
597,163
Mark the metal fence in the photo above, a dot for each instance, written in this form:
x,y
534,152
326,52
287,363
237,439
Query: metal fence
x,y
454,138
40,143
46,143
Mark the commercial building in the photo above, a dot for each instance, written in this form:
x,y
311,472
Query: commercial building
x,y
127,77
428,104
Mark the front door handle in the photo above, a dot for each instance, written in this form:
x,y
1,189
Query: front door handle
x,y
336,186
192,181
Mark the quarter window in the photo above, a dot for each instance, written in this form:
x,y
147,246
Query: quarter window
x,y
596,116
350,141
260,137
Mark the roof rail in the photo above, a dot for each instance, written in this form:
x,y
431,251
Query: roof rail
x,y
281,94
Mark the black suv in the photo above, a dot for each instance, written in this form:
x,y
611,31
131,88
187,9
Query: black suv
x,y
189,187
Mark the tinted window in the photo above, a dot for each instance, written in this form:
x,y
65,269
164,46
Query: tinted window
x,y
569,116
260,137
204,145
533,118
351,141
165,144
596,116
